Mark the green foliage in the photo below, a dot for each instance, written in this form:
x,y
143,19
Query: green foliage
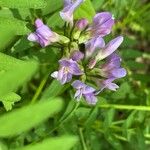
x,y
54,143
37,118
22,117
86,10
23,3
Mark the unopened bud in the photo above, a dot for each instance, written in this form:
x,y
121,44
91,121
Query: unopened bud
x,y
82,24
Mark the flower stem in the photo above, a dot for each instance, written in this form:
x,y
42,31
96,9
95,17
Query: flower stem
x,y
39,89
82,139
127,107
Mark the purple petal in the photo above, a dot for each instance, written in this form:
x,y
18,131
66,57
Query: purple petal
x,y
82,24
69,7
61,74
88,90
38,23
113,62
93,44
77,56
65,62
101,18
78,95
109,48
102,24
91,99
77,84
112,86
69,77
119,73
75,70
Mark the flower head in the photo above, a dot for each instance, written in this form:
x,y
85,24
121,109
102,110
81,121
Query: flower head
x,y
84,90
68,68
69,8
43,34
102,24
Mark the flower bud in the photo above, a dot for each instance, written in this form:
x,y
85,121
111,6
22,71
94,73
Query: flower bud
x,y
82,24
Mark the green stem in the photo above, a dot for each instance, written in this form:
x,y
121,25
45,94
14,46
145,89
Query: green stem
x,y
39,90
127,107
66,118
82,139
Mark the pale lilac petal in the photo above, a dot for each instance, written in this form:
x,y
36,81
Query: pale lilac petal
x,y
102,24
64,78
112,86
113,62
82,24
77,56
101,18
75,70
88,90
78,95
69,8
77,84
33,37
109,48
92,45
119,73
61,74
69,77
38,23
43,35
91,99
45,32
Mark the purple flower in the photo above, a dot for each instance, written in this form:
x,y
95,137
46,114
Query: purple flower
x,y
112,68
69,8
82,24
68,68
77,55
43,34
107,84
92,45
102,24
109,48
84,90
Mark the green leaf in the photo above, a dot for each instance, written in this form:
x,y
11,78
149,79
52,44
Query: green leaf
x,y
55,20
135,65
9,100
53,90
15,25
36,4
28,117
131,53
86,10
121,93
63,143
14,73
52,6
6,36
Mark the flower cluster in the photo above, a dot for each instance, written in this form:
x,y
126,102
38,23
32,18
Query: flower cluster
x,y
95,64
